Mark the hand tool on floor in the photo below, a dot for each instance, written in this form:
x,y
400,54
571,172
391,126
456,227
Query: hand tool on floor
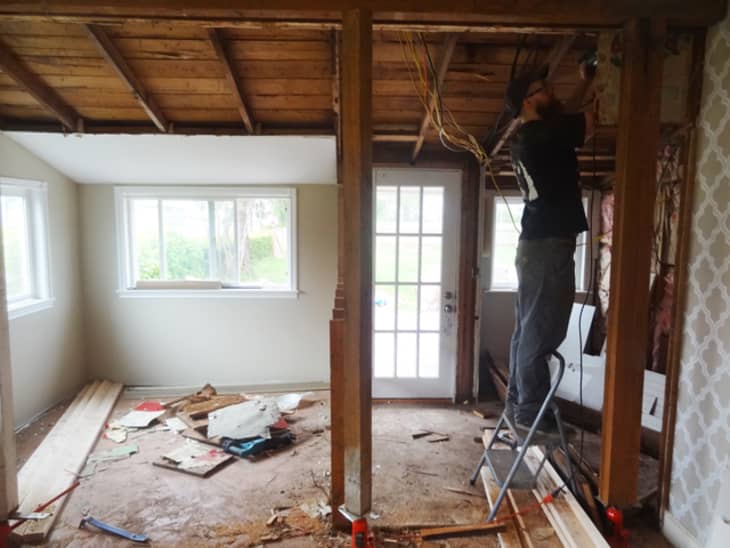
x,y
116,531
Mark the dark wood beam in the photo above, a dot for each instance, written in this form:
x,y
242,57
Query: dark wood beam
x,y
46,97
109,51
628,309
232,77
358,224
558,12
447,52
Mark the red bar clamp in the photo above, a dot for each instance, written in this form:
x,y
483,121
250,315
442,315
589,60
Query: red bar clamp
x,y
361,538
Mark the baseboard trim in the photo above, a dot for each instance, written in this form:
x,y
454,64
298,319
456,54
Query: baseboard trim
x,y
677,534
144,392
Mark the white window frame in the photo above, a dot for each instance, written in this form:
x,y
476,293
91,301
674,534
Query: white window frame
x,y
125,259
36,199
582,272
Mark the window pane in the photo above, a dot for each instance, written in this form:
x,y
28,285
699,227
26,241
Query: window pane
x,y
505,243
406,366
384,315
384,354
408,258
263,236
429,355
385,258
408,307
431,259
385,208
186,239
146,244
225,242
431,307
410,209
17,247
433,209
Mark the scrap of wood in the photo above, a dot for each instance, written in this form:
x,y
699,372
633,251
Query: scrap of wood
x,y
440,439
56,463
200,425
199,471
590,501
454,530
201,409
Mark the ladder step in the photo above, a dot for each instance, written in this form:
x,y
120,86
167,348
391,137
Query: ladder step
x,y
500,462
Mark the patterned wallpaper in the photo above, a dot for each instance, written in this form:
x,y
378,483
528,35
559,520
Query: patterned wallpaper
x,y
702,435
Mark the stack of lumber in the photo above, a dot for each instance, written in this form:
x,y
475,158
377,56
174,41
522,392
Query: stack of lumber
x,y
54,466
193,409
562,522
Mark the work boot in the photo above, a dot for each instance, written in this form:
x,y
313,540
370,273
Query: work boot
x,y
547,432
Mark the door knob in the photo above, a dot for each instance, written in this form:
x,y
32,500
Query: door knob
x,y
448,308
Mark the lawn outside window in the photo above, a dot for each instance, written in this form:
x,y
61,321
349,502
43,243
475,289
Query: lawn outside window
x,y
25,246
206,241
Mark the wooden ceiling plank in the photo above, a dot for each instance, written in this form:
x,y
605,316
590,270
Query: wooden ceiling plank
x,y
43,94
447,52
110,52
232,77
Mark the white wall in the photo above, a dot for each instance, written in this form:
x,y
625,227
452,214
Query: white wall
x,y
46,347
702,428
224,341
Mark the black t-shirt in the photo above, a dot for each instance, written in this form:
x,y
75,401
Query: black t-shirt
x,y
546,166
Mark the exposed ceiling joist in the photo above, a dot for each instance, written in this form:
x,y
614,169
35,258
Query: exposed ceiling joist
x,y
48,98
551,12
447,52
232,77
110,52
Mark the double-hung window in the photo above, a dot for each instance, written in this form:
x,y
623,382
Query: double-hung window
x,y
24,206
219,241
507,213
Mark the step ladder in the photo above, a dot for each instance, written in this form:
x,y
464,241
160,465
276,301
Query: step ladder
x,y
507,465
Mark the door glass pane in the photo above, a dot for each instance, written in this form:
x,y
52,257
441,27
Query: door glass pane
x,y
263,241
384,314
385,258
384,354
410,209
146,239
430,307
185,223
407,355
408,307
408,259
386,202
431,259
225,242
505,243
433,210
17,247
429,355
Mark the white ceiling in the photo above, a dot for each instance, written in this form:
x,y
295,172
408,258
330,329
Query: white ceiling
x,y
180,159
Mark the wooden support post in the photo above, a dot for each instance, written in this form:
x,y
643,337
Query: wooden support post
x,y
8,464
628,311
358,197
46,97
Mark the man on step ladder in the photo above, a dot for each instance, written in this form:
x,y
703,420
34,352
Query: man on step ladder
x,y
545,163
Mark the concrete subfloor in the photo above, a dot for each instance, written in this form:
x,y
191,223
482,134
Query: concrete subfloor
x,y
231,507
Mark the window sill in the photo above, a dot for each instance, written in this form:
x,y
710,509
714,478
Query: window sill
x,y
206,294
30,306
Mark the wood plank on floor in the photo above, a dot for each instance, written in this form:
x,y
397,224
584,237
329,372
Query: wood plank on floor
x,y
54,466
509,537
570,522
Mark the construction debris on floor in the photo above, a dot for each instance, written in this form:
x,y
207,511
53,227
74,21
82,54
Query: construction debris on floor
x,y
214,430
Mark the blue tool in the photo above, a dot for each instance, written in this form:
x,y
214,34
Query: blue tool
x,y
111,529
255,446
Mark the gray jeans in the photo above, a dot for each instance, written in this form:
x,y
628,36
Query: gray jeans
x,y
545,295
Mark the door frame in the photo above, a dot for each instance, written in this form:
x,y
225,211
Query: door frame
x,y
468,274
